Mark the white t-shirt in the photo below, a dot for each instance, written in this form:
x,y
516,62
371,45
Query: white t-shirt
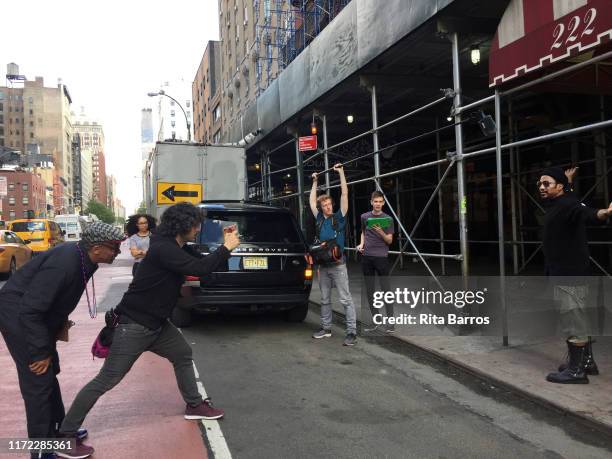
x,y
140,243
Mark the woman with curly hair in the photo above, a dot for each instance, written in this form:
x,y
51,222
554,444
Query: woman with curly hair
x,y
139,229
144,311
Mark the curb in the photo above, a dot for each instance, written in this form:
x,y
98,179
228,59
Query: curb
x,y
587,421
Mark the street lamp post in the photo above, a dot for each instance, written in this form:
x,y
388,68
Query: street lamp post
x,y
161,92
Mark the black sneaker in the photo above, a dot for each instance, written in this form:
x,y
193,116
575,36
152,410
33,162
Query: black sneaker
x,y
350,340
390,329
373,328
322,334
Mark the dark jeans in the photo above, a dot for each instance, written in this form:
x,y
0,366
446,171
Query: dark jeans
x,y
41,393
131,340
134,268
372,266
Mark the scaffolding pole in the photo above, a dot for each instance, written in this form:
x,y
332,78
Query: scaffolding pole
x,y
461,195
500,217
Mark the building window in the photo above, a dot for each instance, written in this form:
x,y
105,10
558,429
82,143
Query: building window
x,y
25,200
187,103
25,214
11,200
171,112
11,186
217,113
31,100
173,123
217,137
31,123
12,214
31,135
24,187
31,112
172,103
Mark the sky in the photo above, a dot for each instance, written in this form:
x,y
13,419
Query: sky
x,y
109,55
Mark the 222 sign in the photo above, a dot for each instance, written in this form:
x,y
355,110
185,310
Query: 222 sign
x,y
577,27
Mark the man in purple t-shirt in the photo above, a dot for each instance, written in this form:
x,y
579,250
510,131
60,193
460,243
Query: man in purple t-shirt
x,y
374,245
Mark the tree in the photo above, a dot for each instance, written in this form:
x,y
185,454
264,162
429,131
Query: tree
x,y
142,209
100,211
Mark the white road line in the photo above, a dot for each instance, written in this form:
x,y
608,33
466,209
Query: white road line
x,y
195,369
215,437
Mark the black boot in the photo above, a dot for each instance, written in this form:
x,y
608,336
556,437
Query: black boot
x,y
575,371
590,367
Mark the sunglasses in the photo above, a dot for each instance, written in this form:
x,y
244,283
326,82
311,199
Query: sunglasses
x,y
114,246
545,183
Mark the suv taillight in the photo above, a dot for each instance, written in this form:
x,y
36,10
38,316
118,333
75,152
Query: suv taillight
x,y
192,278
308,273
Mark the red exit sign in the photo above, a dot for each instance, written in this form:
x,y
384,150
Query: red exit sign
x,y
307,143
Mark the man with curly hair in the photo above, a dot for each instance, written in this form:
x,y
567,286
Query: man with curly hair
x,y
144,312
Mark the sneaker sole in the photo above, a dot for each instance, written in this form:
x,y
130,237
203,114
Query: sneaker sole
x,y
61,454
322,336
578,381
348,344
206,418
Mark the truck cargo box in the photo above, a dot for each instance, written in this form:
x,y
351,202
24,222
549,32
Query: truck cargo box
x,y
178,172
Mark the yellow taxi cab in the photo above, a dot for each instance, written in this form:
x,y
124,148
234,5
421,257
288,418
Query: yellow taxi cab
x,y
42,233
14,252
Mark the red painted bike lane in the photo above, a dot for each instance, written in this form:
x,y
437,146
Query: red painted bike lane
x,y
142,417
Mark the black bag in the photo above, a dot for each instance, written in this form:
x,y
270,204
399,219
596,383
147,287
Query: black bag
x,y
325,252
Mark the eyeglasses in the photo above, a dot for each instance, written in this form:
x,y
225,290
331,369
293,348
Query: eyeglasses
x,y
114,247
545,183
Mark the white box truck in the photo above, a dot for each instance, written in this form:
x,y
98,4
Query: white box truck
x,y
192,172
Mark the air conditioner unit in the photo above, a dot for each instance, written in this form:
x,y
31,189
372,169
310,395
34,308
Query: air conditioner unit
x,y
237,82
245,69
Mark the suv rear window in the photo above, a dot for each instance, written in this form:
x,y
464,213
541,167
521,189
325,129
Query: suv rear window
x,y
22,227
253,227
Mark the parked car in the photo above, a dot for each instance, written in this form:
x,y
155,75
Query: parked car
x,y
14,252
2,224
42,233
269,271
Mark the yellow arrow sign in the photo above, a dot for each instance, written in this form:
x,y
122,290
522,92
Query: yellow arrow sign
x,y
171,193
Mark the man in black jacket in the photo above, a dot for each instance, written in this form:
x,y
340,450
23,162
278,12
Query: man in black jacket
x,y
144,311
566,253
34,308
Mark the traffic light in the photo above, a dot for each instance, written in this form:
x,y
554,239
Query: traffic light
x,y
313,128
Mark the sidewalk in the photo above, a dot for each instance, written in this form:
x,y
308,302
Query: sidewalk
x,y
520,367
140,418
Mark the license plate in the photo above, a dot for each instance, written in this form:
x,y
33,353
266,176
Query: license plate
x,y
255,262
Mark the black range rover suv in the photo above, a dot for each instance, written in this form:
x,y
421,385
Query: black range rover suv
x,y
268,271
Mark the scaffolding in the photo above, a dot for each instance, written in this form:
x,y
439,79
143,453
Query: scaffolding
x,y
283,29
455,161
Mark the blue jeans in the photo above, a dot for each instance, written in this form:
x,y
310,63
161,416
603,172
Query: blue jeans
x,y
328,277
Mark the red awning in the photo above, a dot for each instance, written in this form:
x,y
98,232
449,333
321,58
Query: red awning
x,y
534,34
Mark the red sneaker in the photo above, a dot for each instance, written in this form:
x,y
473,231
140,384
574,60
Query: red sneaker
x,y
79,451
204,410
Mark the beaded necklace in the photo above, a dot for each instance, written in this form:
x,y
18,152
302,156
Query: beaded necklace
x,y
93,312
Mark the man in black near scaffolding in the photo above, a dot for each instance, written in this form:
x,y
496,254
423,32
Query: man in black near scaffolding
x,y
566,253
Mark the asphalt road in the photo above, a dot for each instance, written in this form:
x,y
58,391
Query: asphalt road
x,y
287,395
